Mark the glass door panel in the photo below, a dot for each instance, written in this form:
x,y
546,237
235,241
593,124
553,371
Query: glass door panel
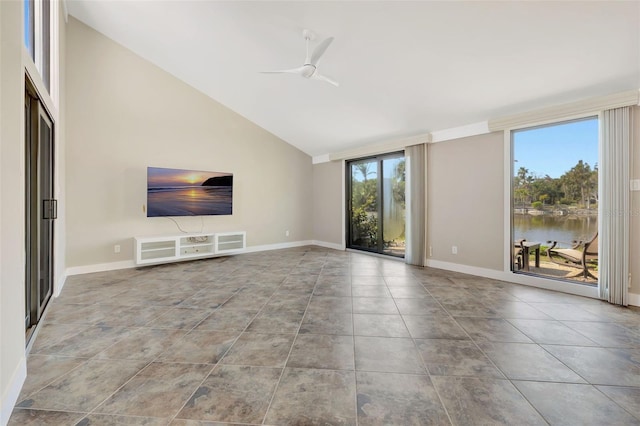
x,y
46,215
40,208
363,223
393,206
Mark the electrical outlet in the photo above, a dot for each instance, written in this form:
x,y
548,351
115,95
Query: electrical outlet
x,y
116,248
430,251
286,233
454,249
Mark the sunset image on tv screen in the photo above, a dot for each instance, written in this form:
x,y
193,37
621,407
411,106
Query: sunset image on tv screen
x,y
177,192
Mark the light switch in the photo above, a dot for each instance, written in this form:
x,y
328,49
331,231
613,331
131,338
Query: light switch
x,y
635,184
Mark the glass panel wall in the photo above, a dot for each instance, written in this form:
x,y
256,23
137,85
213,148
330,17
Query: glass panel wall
x,y
555,200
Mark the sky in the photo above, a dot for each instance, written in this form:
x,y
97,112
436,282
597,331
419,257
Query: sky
x,y
554,150
159,177
389,168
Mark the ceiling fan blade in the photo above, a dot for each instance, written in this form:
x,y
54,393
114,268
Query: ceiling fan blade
x,y
319,51
321,77
289,71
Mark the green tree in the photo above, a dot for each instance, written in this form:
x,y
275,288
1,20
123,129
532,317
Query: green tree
x,y
364,205
521,186
594,184
363,168
579,184
398,181
547,190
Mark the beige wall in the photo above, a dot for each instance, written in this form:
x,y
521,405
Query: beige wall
x,y
12,333
328,202
465,186
634,254
124,114
465,189
60,231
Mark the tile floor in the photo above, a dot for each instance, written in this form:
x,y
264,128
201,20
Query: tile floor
x,y
312,336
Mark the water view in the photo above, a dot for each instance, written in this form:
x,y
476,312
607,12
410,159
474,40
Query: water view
x,y
564,229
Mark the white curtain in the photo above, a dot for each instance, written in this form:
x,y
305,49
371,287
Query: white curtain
x,y
613,257
416,204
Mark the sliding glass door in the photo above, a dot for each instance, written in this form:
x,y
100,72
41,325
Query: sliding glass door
x,y
376,204
40,208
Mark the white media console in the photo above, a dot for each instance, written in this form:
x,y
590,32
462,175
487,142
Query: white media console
x,y
174,248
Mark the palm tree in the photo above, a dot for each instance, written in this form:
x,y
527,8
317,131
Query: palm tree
x,y
363,168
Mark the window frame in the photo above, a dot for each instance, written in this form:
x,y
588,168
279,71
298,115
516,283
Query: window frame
x,y
42,54
507,255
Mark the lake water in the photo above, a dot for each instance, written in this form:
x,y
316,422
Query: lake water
x,y
554,228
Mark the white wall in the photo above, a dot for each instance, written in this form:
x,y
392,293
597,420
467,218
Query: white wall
x,y
124,114
12,248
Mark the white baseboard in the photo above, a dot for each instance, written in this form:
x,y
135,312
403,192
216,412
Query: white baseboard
x,y
325,244
128,264
100,267
465,269
277,246
10,398
548,284
60,284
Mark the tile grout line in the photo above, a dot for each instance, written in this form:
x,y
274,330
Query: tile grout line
x,y
415,345
225,353
353,331
206,376
93,411
284,367
506,378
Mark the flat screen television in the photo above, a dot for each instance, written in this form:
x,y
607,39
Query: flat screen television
x,y
178,192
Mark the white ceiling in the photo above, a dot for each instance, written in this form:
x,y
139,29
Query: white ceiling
x,y
404,68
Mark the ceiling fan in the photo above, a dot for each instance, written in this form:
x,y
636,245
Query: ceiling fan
x,y
310,67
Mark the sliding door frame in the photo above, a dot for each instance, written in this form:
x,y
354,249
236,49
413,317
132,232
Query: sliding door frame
x,y
40,207
379,159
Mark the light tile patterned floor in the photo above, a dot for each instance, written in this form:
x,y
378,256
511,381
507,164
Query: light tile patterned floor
x,y
312,336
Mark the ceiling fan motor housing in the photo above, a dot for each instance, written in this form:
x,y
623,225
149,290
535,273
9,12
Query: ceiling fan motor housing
x,y
307,70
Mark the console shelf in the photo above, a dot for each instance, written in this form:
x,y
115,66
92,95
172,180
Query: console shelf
x,y
174,248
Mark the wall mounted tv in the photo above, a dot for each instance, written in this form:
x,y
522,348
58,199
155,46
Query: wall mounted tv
x,y
177,192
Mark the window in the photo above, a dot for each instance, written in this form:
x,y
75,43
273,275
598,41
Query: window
x,y
37,36
554,196
29,27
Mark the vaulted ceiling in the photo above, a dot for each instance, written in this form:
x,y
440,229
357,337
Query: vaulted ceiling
x,y
404,68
